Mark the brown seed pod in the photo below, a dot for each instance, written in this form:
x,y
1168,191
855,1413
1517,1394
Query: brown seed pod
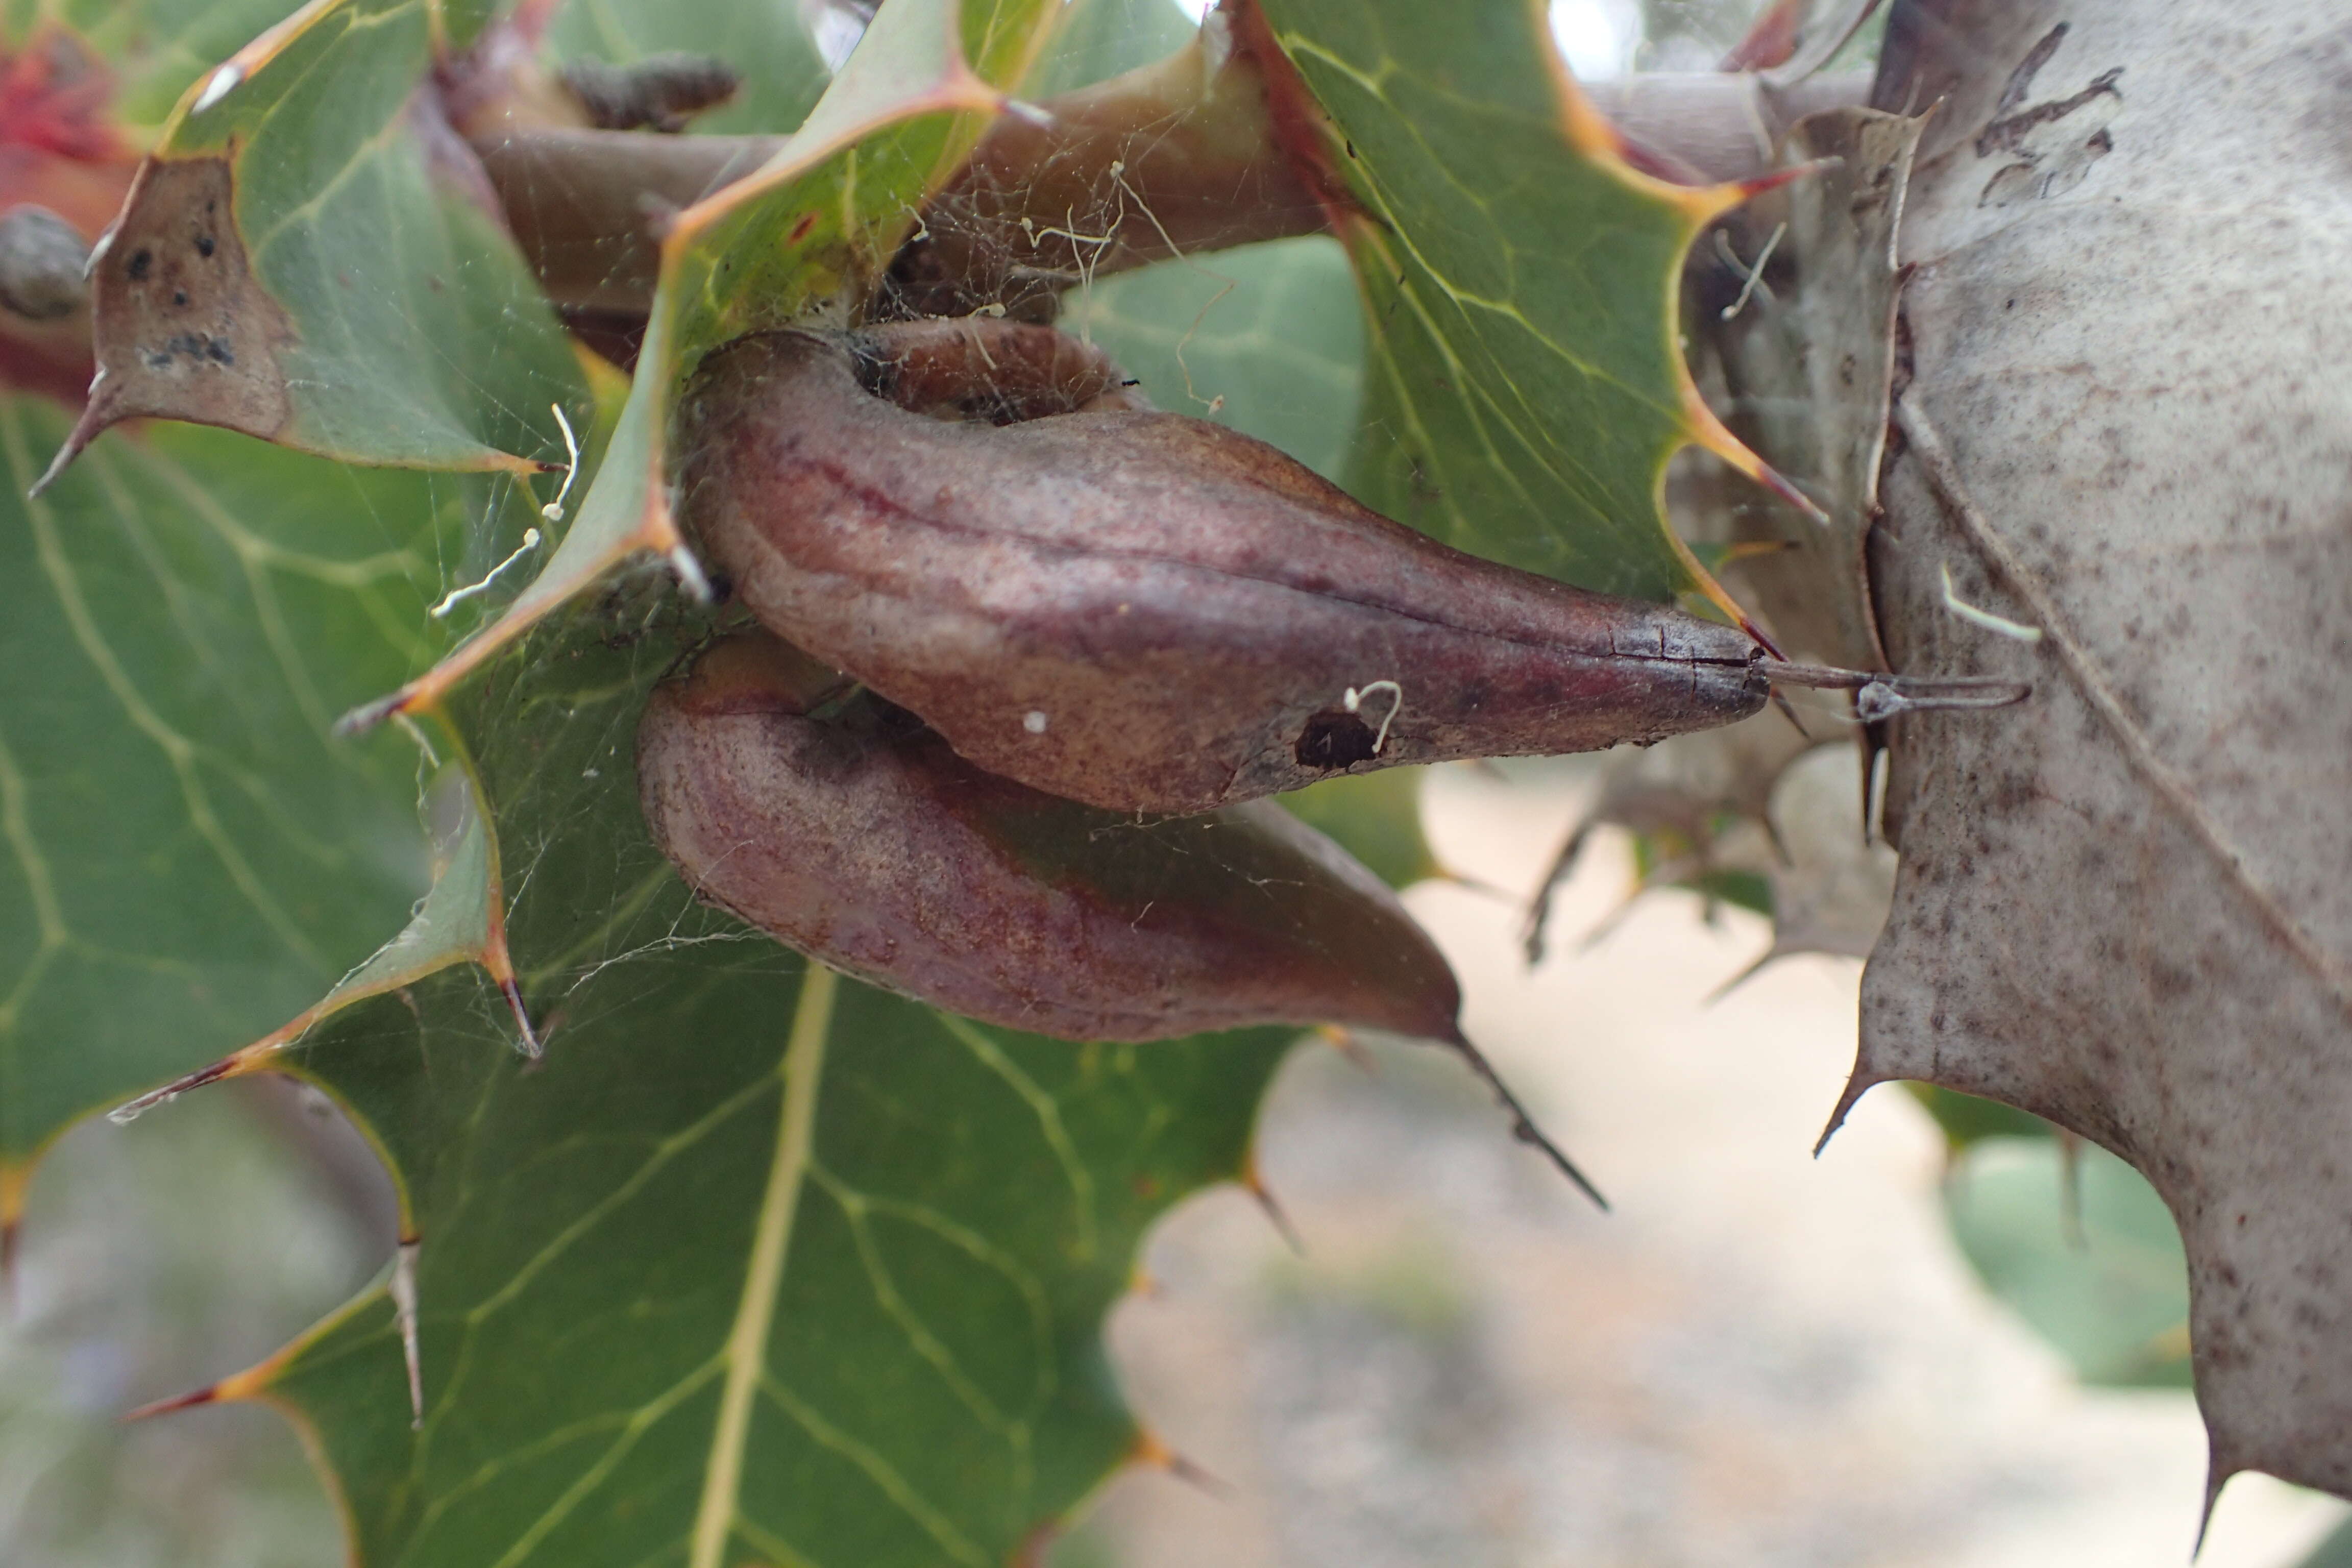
x,y
860,838
863,840
1138,610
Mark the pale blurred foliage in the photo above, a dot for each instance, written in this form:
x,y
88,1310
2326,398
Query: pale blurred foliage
x,y
155,1258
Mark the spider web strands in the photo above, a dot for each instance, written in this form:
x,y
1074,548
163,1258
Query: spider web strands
x,y
804,236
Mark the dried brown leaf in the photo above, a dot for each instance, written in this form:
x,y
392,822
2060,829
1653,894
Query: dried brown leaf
x,y
191,333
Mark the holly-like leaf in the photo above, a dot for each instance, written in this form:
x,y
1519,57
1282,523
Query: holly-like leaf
x,y
761,1266
2121,904
311,255
2083,1249
1830,880
191,860
1807,360
1266,337
461,919
85,86
806,235
1527,386
757,1264
1697,808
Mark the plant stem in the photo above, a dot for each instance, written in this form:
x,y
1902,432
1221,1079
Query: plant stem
x,y
1176,157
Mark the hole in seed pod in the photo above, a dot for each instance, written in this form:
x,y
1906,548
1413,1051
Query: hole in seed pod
x,y
1334,740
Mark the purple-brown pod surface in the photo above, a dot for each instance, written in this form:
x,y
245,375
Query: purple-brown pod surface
x,y
1134,609
862,840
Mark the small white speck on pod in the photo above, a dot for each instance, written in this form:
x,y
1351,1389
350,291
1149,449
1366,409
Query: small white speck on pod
x,y
1035,720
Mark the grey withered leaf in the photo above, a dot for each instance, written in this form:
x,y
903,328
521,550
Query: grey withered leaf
x,y
1139,610
2126,905
840,825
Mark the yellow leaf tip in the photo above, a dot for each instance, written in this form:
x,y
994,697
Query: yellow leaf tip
x,y
1705,429
233,1389
1153,1454
244,1059
1253,1183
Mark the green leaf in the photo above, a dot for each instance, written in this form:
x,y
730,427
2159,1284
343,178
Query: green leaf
x,y
1743,890
1527,386
818,224
1099,39
783,74
755,1264
1376,817
190,860
1269,339
1966,1120
2112,1296
153,1252
311,256
741,1276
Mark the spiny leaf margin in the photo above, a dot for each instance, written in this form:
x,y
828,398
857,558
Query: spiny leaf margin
x,y
1521,279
